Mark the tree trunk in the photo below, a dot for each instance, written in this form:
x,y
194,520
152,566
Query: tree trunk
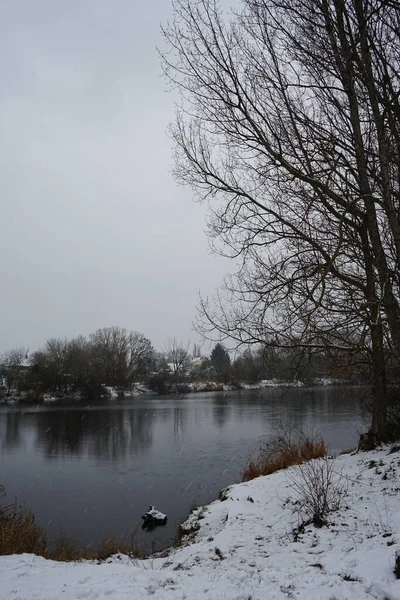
x,y
379,426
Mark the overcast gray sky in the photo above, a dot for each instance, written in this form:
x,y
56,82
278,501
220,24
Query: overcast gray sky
x,y
94,231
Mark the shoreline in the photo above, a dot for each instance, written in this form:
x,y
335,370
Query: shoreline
x,y
191,387
248,544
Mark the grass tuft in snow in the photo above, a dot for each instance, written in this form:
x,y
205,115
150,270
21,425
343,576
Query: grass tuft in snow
x,y
348,451
349,578
67,551
111,546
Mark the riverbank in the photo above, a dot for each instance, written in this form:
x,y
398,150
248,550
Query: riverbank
x,y
167,388
251,545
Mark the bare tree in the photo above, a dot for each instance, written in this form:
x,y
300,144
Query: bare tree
x,y
80,367
12,365
140,355
111,347
177,355
53,363
290,117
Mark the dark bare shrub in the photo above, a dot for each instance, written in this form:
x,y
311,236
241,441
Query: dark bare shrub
x,y
319,489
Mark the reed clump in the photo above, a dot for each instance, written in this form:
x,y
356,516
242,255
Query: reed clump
x,y
286,448
18,531
20,534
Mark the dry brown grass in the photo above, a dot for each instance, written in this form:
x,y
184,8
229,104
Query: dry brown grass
x,y
348,451
20,534
112,546
285,449
67,551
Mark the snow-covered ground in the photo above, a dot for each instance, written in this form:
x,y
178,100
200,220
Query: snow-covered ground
x,y
266,383
244,548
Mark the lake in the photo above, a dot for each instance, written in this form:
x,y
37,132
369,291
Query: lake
x,y
90,472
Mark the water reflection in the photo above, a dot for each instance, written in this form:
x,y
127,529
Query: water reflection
x,y
105,434
59,432
12,430
115,433
222,406
179,422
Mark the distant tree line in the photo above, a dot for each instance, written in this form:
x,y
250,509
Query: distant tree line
x,y
110,356
115,357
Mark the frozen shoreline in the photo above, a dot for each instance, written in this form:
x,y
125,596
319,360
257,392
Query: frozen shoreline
x,y
243,547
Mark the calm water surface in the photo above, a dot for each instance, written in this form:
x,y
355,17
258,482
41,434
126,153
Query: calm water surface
x,y
90,471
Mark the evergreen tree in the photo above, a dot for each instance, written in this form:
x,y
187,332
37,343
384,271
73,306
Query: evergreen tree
x,y
220,360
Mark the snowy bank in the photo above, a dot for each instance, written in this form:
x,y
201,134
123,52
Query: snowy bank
x,y
243,547
272,383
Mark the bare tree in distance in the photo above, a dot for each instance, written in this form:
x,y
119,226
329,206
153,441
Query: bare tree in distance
x,y
110,347
289,126
12,364
121,355
111,356
140,355
55,356
177,355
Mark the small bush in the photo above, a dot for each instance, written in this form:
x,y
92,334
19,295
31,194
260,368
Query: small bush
x,y
319,489
158,384
32,397
92,390
287,448
223,494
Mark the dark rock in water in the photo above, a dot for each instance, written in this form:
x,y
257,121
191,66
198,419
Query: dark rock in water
x,y
153,517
